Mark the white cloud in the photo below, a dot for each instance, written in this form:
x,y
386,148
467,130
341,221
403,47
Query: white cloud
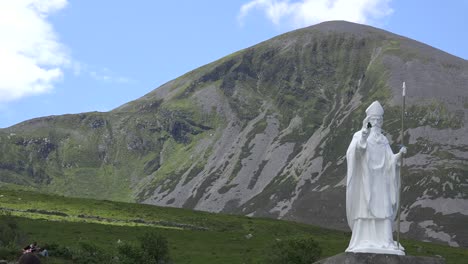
x,y
104,75
302,13
31,56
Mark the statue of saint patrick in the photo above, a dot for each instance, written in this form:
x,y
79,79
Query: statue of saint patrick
x,y
372,191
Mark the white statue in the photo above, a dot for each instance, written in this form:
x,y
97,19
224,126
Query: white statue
x,y
372,191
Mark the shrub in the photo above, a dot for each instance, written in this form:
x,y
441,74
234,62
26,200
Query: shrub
x,y
153,248
129,254
9,232
11,237
293,251
9,253
59,251
88,253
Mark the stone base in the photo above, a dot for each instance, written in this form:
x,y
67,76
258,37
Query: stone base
x,y
373,250
371,258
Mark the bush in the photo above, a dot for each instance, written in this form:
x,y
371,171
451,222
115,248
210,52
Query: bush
x,y
9,253
90,254
9,232
59,251
129,254
11,237
293,251
153,248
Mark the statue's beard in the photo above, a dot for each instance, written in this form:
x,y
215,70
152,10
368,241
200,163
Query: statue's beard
x,y
376,135
376,130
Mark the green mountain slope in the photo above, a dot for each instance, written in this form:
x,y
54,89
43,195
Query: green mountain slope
x,y
194,237
264,131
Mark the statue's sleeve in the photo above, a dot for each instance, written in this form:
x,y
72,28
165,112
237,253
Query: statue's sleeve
x,y
353,177
394,173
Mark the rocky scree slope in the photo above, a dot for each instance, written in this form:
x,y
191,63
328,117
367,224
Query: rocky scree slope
x,y
264,132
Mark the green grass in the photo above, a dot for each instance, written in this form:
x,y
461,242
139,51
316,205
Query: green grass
x,y
221,241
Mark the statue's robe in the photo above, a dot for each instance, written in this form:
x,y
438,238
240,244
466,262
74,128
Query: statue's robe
x,y
373,182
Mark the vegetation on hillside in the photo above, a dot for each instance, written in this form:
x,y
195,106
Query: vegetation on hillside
x,y
53,220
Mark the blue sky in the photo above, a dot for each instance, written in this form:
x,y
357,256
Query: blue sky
x,y
70,56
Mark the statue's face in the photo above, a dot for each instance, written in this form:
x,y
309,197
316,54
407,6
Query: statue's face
x,y
376,121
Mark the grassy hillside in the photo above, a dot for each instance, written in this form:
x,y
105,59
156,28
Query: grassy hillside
x,y
194,237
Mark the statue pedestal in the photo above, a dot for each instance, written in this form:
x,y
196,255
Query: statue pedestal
x,y
371,258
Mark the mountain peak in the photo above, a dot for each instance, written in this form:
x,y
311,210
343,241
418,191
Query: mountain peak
x,y
342,26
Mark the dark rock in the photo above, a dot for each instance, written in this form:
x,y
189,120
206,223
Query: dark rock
x,y
39,211
371,258
97,123
29,259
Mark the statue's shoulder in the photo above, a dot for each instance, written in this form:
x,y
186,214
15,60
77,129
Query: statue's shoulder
x,y
357,134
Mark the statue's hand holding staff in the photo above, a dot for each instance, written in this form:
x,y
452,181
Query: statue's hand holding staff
x,y
402,151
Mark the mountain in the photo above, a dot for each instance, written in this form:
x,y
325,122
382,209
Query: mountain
x,y
264,132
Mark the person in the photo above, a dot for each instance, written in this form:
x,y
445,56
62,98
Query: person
x,y
30,248
372,190
33,248
44,253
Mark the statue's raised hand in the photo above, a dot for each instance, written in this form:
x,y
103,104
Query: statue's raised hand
x,y
403,150
366,131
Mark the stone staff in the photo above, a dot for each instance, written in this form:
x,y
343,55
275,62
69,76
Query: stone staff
x,y
401,166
